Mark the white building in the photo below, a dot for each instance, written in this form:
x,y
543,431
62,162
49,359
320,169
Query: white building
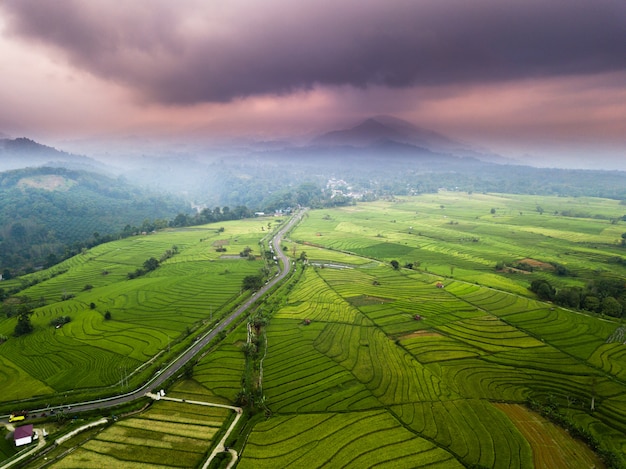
x,y
23,435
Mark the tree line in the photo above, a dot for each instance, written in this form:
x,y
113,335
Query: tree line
x,y
605,296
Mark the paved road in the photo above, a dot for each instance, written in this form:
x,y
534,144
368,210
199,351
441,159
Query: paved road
x,y
175,367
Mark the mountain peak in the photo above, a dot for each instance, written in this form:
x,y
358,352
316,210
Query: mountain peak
x,y
382,127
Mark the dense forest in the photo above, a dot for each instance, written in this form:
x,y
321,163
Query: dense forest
x,y
44,212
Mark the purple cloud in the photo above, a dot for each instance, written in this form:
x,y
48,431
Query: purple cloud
x,y
193,51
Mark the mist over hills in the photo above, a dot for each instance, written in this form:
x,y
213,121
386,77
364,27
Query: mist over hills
x,y
380,155
51,198
375,130
24,153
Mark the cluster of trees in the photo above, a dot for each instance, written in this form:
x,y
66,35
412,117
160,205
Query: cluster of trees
x,y
604,295
251,394
148,266
247,253
252,282
23,326
559,269
12,306
215,215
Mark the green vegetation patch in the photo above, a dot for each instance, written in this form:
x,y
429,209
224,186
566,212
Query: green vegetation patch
x,y
13,379
7,448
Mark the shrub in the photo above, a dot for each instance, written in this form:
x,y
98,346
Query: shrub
x,y
60,321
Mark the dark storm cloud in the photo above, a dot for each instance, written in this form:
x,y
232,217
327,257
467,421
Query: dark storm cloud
x,y
194,51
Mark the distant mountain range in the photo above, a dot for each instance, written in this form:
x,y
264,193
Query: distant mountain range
x,y
370,136
380,155
381,129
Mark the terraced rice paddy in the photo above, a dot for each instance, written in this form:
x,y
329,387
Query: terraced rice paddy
x,y
148,314
168,435
367,366
219,373
440,376
437,361
357,439
438,231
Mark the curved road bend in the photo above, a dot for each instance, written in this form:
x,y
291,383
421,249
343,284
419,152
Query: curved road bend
x,y
197,347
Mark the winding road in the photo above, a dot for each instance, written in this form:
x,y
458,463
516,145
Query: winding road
x,y
174,367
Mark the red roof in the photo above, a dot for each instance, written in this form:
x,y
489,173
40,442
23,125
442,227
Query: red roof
x,y
23,432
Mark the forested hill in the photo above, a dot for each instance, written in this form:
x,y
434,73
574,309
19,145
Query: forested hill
x,y
44,211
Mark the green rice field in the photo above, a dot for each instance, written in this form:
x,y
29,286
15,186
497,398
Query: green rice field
x,y
346,343
170,434
450,363
149,314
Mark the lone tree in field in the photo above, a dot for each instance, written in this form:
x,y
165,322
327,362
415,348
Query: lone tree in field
x,y
252,282
395,264
23,326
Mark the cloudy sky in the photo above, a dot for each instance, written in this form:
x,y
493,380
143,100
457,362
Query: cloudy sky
x,y
539,77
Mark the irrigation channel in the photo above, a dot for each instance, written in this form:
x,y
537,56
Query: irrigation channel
x,y
175,366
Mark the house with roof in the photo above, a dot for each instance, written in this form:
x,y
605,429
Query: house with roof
x,y
23,435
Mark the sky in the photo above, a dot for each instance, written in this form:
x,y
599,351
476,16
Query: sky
x,y
542,80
